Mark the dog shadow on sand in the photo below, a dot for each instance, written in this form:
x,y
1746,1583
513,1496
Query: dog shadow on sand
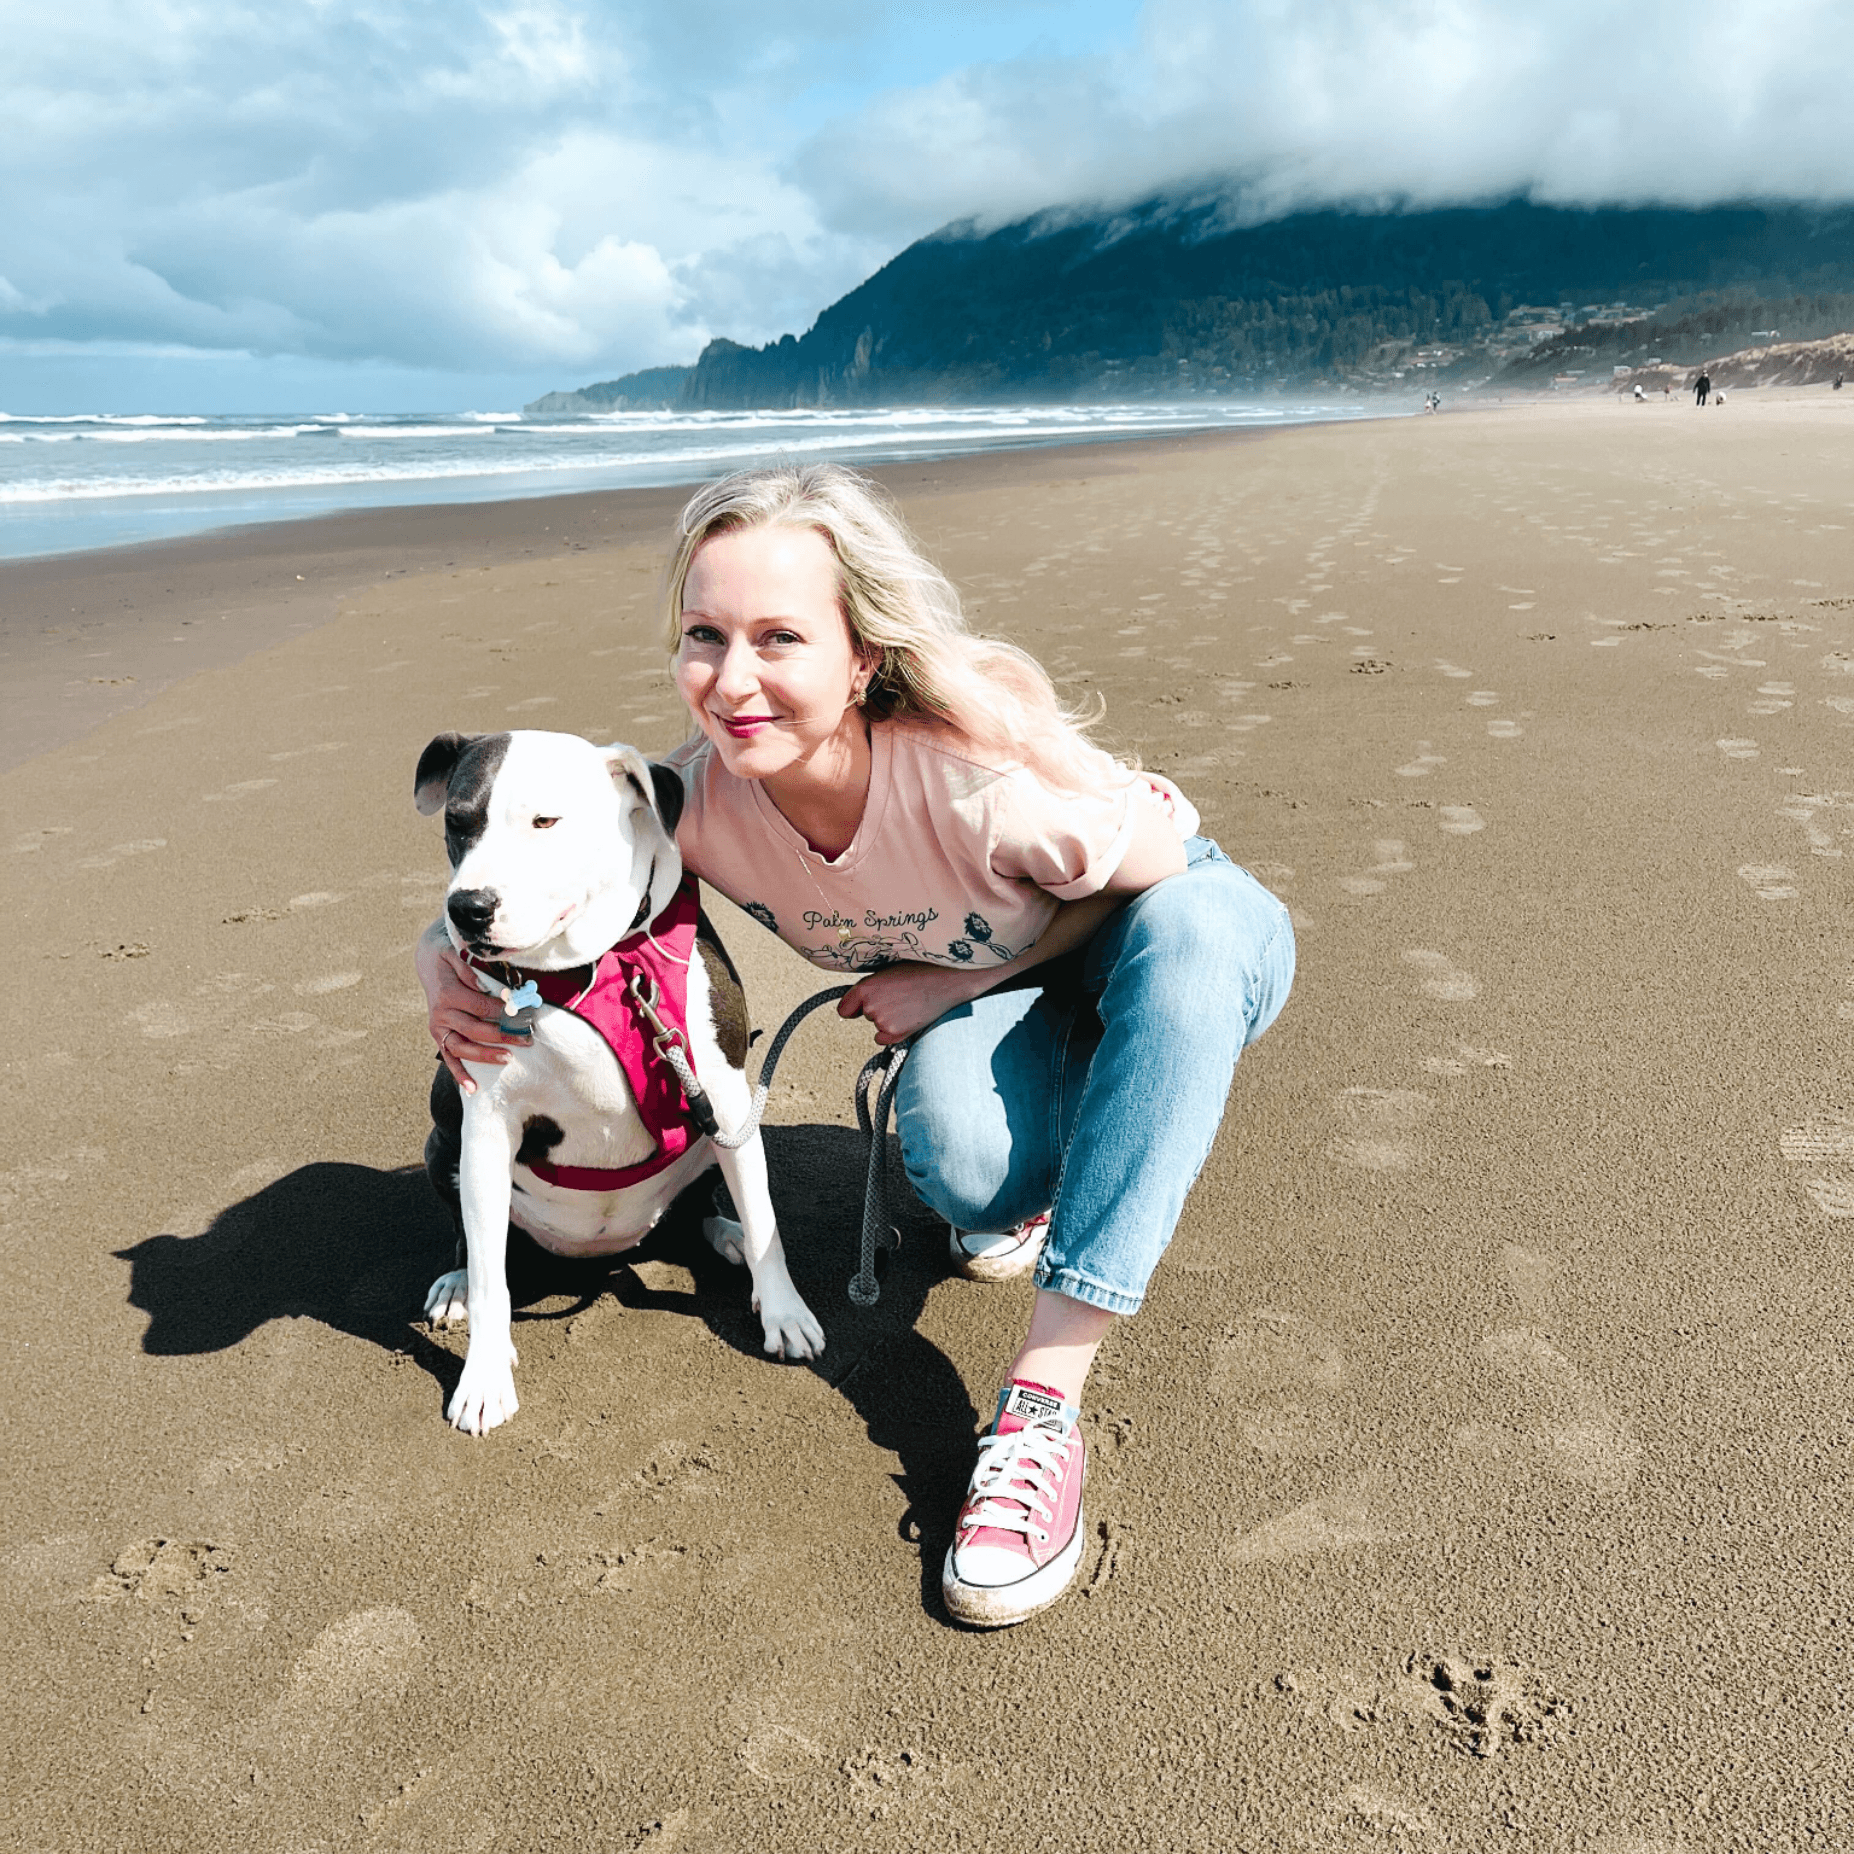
x,y
357,1248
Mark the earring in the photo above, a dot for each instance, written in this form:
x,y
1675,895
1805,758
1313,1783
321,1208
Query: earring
x,y
861,694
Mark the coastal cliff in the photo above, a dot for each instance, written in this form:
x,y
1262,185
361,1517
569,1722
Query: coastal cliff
x,y
1166,301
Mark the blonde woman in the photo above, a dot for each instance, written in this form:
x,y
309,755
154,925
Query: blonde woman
x,y
898,798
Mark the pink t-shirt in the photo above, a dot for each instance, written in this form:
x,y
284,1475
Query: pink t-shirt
x,y
955,862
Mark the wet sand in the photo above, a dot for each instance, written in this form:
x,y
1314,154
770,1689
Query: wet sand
x,y
1477,1473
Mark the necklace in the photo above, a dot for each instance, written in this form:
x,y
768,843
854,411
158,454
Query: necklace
x,y
845,933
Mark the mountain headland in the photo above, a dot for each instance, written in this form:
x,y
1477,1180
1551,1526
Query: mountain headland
x,y
1169,301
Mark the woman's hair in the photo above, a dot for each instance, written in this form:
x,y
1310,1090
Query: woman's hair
x,y
903,611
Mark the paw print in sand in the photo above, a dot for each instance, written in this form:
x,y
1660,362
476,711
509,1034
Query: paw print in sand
x,y
1483,1704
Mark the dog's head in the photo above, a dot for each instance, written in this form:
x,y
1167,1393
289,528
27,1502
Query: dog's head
x,y
558,848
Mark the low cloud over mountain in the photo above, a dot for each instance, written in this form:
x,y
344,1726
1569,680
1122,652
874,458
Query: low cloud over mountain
x,y
565,184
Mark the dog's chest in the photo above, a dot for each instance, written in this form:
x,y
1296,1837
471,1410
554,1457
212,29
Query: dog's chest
x,y
569,1077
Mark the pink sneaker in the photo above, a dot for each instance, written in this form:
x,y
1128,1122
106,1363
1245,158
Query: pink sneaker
x,y
998,1255
1020,1533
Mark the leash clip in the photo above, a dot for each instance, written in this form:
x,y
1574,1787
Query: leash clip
x,y
670,1048
665,1037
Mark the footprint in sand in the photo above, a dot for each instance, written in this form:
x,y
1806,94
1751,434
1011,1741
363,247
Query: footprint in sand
x,y
1450,669
232,793
1270,1349
1769,881
141,846
1804,808
1362,1817
1565,1423
1460,820
332,981
1339,1521
367,1658
1423,764
1504,730
1735,749
778,1754
1825,1144
1392,860
1442,977
1567,1426
1774,698
1483,698
1283,1372
1380,1128
1466,1060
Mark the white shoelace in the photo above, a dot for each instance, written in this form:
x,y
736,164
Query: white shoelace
x,y
1015,1482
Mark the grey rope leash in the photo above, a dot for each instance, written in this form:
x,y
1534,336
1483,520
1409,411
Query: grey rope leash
x,y
884,1066
878,1233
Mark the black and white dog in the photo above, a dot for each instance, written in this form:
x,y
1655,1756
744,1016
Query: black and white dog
x,y
561,851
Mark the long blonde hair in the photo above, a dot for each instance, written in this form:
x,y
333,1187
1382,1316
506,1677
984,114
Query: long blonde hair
x,y
902,611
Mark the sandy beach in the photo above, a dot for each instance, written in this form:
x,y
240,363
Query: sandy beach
x,y
1477,1475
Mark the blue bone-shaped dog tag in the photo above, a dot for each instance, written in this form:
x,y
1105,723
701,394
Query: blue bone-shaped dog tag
x,y
525,997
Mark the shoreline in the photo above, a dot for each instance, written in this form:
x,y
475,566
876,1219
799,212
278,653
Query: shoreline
x,y
82,640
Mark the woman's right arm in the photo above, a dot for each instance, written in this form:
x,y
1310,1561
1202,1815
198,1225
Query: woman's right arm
x,y
464,1020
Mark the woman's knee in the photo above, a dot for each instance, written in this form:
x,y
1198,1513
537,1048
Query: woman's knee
x,y
1212,942
958,1163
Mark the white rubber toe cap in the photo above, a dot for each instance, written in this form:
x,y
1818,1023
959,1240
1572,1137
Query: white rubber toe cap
x,y
991,1567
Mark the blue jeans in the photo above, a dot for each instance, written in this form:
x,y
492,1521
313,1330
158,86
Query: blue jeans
x,y
1094,1087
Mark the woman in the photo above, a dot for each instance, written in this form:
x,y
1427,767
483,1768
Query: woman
x,y
896,797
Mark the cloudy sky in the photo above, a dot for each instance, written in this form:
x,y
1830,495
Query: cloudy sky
x,y
369,204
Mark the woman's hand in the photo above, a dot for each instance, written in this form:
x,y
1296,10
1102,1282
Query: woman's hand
x,y
464,1020
903,998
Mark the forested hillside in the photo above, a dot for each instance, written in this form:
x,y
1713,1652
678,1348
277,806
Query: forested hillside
x,y
1163,301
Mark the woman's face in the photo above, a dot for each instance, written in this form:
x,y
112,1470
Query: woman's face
x,y
766,662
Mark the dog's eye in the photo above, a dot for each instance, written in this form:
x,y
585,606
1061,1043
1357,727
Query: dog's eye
x,y
545,823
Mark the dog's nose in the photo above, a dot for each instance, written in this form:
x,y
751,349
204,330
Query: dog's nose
x,y
471,910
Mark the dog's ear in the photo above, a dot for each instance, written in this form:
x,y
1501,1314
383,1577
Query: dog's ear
x,y
657,786
435,765
667,783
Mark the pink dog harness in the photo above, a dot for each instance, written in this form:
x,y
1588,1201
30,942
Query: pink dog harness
x,y
646,975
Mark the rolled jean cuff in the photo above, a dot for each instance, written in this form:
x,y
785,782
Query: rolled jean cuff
x,y
1073,1286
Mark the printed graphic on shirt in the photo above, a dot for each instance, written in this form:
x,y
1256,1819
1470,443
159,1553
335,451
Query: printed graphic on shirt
x,y
979,928
867,952
846,942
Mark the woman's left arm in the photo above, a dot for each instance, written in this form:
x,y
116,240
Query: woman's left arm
x,y
908,996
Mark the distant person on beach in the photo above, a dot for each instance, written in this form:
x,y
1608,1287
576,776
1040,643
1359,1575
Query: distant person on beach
x,y
1077,968
1701,387
1641,398
1837,382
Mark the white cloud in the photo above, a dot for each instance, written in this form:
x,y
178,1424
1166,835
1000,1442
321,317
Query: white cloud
x,y
583,186
1305,101
541,184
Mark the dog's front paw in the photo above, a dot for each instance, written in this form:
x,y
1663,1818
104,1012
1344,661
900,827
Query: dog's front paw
x,y
726,1238
791,1330
485,1395
448,1302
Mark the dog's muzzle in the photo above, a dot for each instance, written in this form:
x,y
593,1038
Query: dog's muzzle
x,y
471,911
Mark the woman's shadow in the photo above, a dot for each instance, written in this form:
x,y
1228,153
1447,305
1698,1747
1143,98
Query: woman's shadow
x,y
357,1248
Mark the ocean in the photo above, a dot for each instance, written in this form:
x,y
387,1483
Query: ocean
x,y
84,481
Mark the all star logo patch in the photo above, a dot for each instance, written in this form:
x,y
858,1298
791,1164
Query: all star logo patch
x,y
1030,1404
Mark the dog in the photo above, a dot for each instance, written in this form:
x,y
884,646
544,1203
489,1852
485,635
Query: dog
x,y
563,867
